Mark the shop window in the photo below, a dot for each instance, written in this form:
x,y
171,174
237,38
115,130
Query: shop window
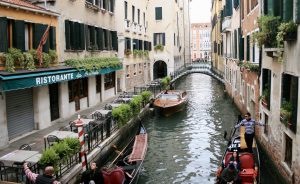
x,y
109,80
98,84
288,151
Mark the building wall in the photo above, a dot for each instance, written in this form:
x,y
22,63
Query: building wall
x,y
201,42
127,29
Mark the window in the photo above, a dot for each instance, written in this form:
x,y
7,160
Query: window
x,y
133,12
126,9
135,44
248,48
78,89
111,5
159,38
74,35
144,19
109,80
289,94
266,86
288,151
98,84
158,13
127,43
138,11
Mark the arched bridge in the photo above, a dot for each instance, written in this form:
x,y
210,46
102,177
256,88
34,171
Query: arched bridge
x,y
204,68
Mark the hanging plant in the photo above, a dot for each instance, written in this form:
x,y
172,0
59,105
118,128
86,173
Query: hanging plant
x,y
127,52
287,32
17,56
159,47
53,56
9,63
46,60
29,61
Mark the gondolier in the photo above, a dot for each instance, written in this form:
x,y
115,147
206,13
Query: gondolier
x,y
249,124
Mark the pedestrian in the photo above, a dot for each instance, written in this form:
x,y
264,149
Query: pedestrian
x,y
249,124
92,175
45,178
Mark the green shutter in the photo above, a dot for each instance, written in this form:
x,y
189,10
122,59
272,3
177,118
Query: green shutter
x,y
101,33
150,46
248,48
87,37
76,31
67,34
98,37
145,45
288,10
241,51
114,40
3,34
298,11
92,36
163,39
52,37
154,38
271,7
82,38
158,13
73,36
19,34
37,34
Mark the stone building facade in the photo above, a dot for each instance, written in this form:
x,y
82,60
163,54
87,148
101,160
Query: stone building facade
x,y
201,44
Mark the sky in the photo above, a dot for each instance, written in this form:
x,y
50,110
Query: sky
x,y
200,11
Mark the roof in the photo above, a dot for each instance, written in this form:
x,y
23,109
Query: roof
x,y
23,4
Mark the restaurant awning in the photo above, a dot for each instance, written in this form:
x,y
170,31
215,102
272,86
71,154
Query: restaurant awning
x,y
16,81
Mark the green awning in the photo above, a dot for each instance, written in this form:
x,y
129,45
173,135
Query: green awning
x,y
28,80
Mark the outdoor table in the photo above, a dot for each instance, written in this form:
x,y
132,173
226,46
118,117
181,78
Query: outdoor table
x,y
18,156
35,158
125,100
104,113
84,121
61,135
113,105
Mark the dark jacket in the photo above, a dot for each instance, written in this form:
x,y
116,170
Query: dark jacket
x,y
95,175
44,179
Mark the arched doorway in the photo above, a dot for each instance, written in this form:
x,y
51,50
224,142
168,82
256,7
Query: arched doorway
x,y
160,69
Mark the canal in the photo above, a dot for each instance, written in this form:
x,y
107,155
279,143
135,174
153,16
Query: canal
x,y
187,146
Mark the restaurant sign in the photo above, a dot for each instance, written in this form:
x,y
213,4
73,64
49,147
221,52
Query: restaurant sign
x,y
14,82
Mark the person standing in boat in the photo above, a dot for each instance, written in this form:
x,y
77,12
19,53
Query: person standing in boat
x,y
249,124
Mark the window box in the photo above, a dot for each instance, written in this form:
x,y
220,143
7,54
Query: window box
x,y
290,36
274,52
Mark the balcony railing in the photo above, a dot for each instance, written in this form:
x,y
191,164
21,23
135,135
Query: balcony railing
x,y
127,25
134,27
226,24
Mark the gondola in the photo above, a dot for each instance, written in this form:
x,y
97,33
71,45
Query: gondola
x,y
128,164
249,163
170,102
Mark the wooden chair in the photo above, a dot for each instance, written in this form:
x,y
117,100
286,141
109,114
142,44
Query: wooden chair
x,y
51,139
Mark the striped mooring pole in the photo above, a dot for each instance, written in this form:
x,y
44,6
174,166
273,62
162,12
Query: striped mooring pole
x,y
79,125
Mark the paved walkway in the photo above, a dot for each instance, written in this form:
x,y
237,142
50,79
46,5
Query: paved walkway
x,y
36,138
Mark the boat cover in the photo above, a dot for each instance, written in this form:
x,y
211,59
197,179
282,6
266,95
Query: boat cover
x,y
139,148
116,176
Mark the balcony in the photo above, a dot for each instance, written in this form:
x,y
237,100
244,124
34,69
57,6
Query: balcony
x,y
134,27
127,25
226,24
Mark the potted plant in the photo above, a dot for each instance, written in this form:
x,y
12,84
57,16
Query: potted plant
x,y
287,32
286,113
136,52
127,52
264,97
159,47
49,158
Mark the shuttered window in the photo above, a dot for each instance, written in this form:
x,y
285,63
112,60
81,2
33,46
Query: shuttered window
x,y
140,44
297,11
159,38
52,38
288,10
126,9
241,50
38,32
3,34
19,35
228,8
248,48
127,43
75,35
67,35
236,3
132,13
158,13
135,43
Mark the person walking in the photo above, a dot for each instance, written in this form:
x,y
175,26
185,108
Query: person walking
x,y
46,178
249,124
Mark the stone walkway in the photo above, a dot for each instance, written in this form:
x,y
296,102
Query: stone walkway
x,y
36,138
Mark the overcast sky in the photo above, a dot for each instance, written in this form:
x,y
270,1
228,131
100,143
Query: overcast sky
x,y
200,11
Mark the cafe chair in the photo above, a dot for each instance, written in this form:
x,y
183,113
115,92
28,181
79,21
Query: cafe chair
x,y
25,147
73,127
6,171
51,139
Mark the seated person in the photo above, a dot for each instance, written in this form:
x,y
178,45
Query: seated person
x,y
234,159
92,175
229,174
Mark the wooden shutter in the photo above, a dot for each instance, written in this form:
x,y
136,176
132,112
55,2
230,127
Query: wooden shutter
x,y
288,10
82,37
114,40
112,5
37,34
52,38
150,46
101,39
92,36
241,51
87,36
19,34
297,11
67,35
248,48
140,44
76,31
3,34
163,39
154,38
145,45
98,37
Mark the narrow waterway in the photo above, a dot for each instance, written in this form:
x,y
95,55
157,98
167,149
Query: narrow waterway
x,y
187,146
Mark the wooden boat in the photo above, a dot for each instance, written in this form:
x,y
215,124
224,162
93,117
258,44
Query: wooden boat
x,y
170,101
249,163
128,163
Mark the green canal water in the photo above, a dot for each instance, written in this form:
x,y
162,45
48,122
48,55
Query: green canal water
x,y
187,146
